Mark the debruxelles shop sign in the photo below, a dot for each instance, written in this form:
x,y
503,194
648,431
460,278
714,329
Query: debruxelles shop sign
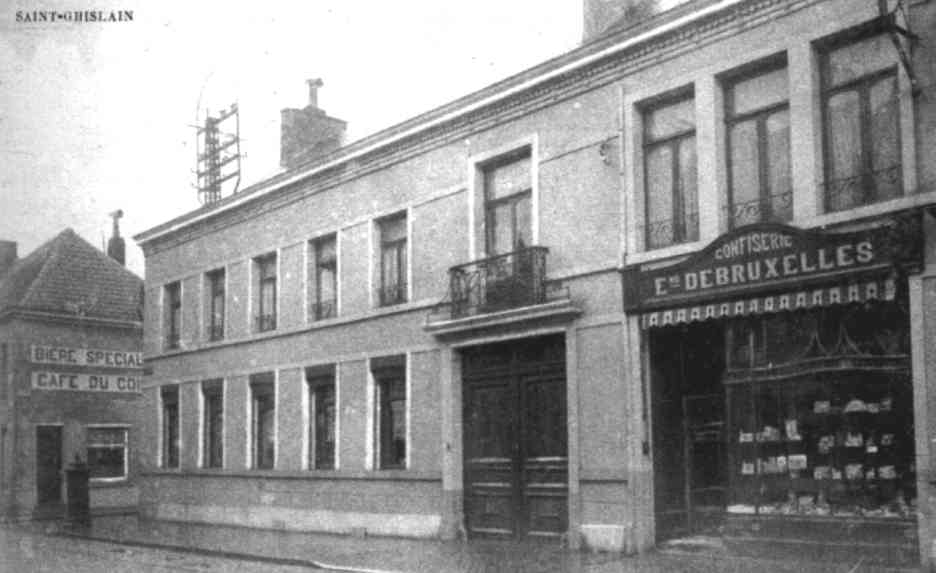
x,y
757,258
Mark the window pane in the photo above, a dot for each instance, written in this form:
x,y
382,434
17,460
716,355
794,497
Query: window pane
x,y
659,196
500,217
885,151
779,185
106,462
264,418
508,179
688,188
760,91
323,438
391,270
670,120
392,229
844,156
745,179
214,419
860,58
106,436
325,251
392,420
524,222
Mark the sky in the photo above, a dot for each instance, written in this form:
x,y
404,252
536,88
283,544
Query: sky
x,y
96,117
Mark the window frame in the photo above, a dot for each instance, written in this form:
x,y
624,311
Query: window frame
x,y
513,201
172,315
170,433
318,384
124,446
398,248
262,392
862,85
674,142
212,392
217,294
390,385
761,115
267,276
323,309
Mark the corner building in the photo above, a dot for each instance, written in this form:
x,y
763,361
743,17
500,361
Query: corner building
x,y
469,323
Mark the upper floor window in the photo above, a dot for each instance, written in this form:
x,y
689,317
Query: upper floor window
x,y
263,420
266,292
169,396
107,452
507,204
758,128
215,280
862,118
671,203
325,277
172,319
323,426
393,269
213,424
390,386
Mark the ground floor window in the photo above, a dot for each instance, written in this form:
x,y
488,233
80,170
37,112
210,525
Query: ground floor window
x,y
107,452
323,426
263,418
390,385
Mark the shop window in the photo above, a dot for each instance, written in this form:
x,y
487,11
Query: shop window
x,y
508,190
758,130
393,263
323,421
213,424
671,196
324,277
216,287
265,268
107,452
861,113
263,421
170,426
390,387
172,314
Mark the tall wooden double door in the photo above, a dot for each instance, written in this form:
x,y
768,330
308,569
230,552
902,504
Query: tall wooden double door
x,y
515,436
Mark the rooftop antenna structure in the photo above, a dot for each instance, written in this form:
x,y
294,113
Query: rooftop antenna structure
x,y
218,154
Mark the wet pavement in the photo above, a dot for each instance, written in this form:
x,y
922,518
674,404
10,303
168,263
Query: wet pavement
x,y
381,554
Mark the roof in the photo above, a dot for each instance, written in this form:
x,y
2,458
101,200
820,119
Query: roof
x,y
69,276
608,44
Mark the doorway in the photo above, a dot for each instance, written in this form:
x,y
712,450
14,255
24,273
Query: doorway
x,y
515,464
690,477
48,465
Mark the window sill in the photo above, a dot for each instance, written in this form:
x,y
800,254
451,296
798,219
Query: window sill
x,y
665,252
371,475
102,483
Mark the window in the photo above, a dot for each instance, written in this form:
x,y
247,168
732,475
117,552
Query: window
x,y
216,285
266,292
325,278
861,116
672,214
170,426
263,419
393,260
390,386
507,204
758,127
107,452
213,424
323,419
172,319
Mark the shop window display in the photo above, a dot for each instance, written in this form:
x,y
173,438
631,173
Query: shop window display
x,y
820,414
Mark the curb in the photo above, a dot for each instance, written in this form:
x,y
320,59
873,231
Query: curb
x,y
288,561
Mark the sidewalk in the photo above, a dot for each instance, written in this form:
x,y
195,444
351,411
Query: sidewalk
x,y
380,554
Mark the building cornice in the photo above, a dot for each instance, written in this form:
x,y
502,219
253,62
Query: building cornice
x,y
68,319
591,66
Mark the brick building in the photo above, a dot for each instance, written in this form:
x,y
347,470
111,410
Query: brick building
x,y
521,314
71,337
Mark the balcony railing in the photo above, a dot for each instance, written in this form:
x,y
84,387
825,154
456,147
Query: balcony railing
x,y
325,309
667,232
776,208
393,293
172,341
498,283
266,322
863,189
216,331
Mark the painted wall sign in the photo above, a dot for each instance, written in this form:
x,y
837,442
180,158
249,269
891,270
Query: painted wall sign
x,y
44,380
68,356
758,258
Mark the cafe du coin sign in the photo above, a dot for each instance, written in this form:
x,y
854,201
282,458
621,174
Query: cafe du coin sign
x,y
100,370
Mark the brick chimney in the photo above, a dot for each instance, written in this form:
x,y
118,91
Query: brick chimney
x,y
116,248
7,256
308,132
600,15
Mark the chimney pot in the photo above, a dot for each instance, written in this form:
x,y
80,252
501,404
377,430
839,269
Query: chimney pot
x,y
314,84
116,247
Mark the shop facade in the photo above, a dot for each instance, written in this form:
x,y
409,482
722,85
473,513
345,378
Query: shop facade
x,y
71,349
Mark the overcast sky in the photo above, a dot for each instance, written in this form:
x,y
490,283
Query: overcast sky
x,y
97,116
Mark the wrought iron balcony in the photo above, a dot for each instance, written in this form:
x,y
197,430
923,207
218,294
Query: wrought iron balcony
x,y
172,341
864,188
216,331
325,309
393,293
266,322
498,283
776,208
